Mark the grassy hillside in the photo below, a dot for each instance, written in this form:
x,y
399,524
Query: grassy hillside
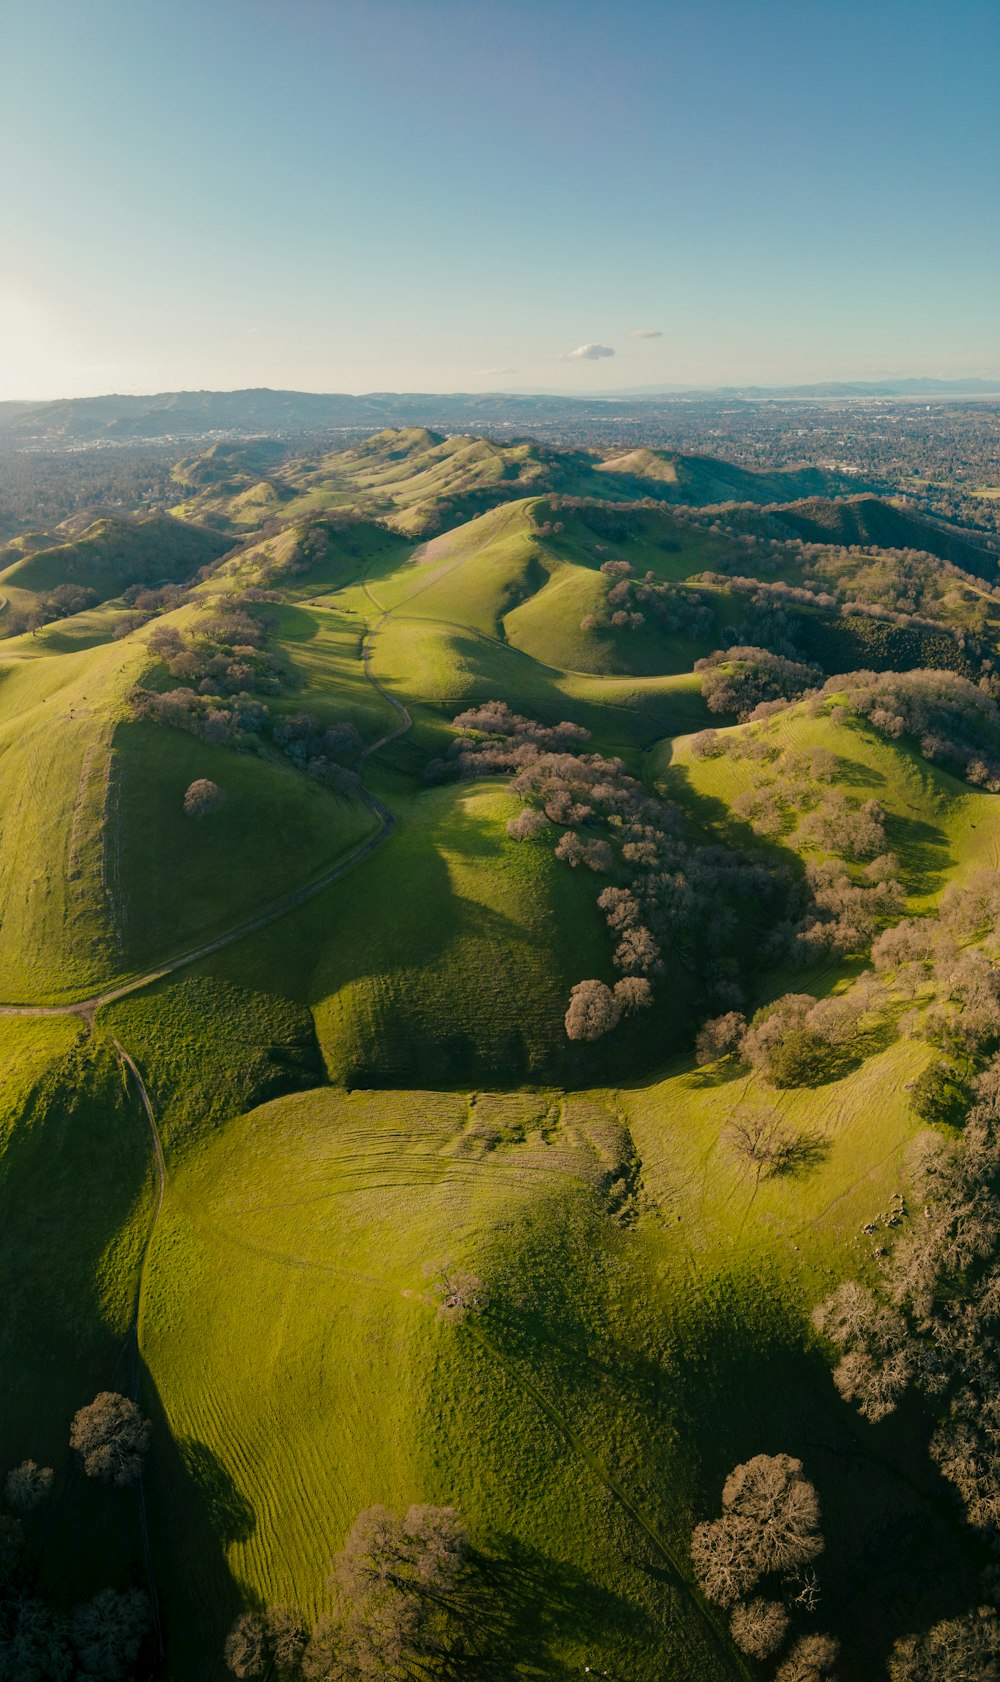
x,y
424,481
357,1084
317,1215
875,523
76,1196
940,829
112,554
103,874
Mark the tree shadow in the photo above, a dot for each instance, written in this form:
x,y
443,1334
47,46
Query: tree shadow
x,y
808,1150
194,1513
923,852
230,1514
897,1556
522,1605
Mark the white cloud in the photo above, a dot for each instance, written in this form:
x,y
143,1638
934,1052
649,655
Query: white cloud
x,y
647,333
498,371
590,353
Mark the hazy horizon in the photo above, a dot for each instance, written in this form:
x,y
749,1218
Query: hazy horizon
x,y
583,394
338,197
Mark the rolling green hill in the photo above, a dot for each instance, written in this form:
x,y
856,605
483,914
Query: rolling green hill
x,y
112,554
424,481
873,522
293,1052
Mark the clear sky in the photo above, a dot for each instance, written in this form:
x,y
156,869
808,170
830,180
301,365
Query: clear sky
x,y
458,194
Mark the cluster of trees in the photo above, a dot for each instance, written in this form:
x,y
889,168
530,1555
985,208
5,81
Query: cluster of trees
x,y
955,722
932,1320
669,898
59,603
842,912
742,679
631,601
756,1562
224,715
492,738
404,1594
225,653
45,487
795,1040
101,1639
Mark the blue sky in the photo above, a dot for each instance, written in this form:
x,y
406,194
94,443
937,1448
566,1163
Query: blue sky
x,y
456,195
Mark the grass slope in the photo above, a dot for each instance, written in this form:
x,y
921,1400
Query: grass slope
x,y
940,828
630,1356
112,554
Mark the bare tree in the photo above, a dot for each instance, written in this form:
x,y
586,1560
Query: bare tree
x,y
811,1659
28,1485
287,1634
633,993
112,1438
398,1586
526,825
108,1632
759,1626
456,1292
762,1141
958,1650
769,1524
245,1651
720,1037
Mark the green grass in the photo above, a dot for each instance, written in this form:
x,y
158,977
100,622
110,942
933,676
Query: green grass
x,y
648,1324
76,1199
636,1358
940,828
180,880
58,716
112,554
468,976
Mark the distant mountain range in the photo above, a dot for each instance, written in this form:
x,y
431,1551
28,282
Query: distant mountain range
x,y
256,412
827,388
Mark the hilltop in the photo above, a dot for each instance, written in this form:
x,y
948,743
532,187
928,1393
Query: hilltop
x,y
426,481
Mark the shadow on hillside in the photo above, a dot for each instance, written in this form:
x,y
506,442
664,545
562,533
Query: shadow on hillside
x,y
897,1557
524,1604
295,624
194,1512
923,853
74,1174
